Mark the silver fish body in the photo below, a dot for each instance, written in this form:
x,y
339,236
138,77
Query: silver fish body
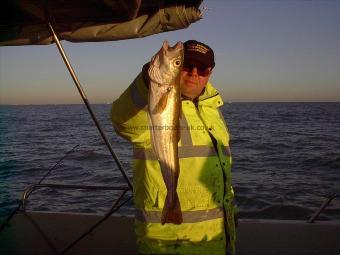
x,y
164,110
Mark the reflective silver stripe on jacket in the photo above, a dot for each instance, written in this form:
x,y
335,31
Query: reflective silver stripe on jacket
x,y
226,150
136,97
183,152
184,131
188,217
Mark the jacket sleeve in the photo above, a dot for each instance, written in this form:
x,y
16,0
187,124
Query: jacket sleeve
x,y
129,112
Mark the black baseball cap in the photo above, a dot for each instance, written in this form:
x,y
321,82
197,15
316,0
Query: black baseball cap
x,y
198,54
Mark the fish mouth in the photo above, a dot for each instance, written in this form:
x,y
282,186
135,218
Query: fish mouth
x,y
179,45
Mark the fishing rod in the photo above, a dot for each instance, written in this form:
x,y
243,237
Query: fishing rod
x,y
87,103
329,198
7,220
115,207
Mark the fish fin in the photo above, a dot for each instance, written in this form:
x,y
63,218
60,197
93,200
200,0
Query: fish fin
x,y
159,108
152,136
172,211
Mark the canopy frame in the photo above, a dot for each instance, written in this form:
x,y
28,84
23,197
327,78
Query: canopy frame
x,y
87,103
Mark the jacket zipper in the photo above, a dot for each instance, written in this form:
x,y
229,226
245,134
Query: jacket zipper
x,y
215,144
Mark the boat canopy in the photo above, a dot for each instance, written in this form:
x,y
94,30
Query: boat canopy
x,y
24,22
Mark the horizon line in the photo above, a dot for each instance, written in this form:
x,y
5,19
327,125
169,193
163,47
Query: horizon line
x,y
226,102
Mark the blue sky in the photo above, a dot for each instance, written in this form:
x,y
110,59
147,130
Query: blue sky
x,y
265,51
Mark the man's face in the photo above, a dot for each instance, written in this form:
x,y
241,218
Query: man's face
x,y
193,80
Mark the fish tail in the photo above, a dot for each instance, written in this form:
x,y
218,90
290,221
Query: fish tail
x,y
172,210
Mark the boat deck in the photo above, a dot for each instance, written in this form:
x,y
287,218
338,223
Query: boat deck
x,y
50,233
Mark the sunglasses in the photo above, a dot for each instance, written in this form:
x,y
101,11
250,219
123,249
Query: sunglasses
x,y
201,70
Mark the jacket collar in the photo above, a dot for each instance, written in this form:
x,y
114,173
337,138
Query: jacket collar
x,y
210,97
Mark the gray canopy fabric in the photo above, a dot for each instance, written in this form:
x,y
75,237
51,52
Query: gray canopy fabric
x,y
23,22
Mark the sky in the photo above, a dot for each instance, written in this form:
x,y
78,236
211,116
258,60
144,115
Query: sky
x,y
265,51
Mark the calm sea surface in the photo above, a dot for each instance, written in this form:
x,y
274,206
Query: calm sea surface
x,y
286,158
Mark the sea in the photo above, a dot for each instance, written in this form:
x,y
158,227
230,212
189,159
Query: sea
x,y
286,159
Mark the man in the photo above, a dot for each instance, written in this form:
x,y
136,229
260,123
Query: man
x,y
204,185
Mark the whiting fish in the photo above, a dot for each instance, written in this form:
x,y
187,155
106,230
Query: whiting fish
x,y
164,109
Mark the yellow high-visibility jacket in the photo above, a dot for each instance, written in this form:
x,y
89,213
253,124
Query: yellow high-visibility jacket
x,y
204,184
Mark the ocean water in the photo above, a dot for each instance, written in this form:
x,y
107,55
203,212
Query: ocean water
x,y
286,158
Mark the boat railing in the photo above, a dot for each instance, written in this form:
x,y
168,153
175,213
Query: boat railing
x,y
116,205
30,189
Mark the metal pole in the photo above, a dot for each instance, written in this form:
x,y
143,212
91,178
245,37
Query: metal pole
x,y
322,207
83,96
